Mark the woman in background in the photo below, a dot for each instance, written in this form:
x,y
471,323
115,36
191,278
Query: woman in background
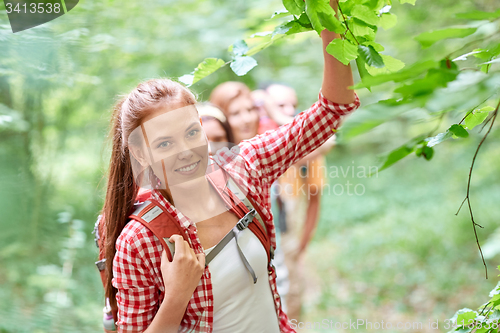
x,y
219,133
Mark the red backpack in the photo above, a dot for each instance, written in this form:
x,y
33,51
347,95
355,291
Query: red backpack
x,y
156,218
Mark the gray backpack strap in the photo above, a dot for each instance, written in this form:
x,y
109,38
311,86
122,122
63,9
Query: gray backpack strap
x,y
242,224
231,185
242,197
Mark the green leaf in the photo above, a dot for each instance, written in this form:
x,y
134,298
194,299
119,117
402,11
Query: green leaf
x,y
207,67
365,14
495,301
495,290
428,152
378,47
204,68
477,117
435,78
268,40
396,155
488,53
292,7
409,72
302,24
343,50
304,20
388,20
313,7
491,61
426,39
391,65
466,316
411,2
400,152
432,141
459,131
330,22
362,69
360,28
479,15
296,27
301,4
425,151
370,56
239,48
242,65
280,14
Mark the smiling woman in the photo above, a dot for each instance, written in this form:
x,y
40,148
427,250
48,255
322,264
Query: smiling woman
x,y
159,144
180,156
235,100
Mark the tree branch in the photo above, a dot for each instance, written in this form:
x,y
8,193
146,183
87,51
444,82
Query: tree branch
x,y
467,197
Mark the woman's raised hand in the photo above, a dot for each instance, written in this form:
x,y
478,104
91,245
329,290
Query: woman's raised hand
x,y
183,273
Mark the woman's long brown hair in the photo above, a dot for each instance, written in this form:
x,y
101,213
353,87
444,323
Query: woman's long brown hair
x,y
122,189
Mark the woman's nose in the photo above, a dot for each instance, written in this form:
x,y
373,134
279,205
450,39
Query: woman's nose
x,y
247,116
185,154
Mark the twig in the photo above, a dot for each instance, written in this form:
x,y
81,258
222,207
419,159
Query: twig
x,y
485,306
485,123
345,21
467,197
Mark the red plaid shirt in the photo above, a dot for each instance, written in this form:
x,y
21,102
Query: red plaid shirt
x,y
255,163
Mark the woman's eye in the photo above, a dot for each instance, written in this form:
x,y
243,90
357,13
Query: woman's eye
x,y
193,133
163,144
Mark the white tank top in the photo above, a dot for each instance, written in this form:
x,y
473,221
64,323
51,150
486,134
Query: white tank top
x,y
240,306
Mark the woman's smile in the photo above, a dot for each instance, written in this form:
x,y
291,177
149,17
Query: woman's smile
x,y
188,169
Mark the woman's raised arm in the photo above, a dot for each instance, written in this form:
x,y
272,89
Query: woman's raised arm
x,y
269,155
337,77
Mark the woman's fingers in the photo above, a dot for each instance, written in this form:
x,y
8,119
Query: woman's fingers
x,y
185,251
180,245
201,259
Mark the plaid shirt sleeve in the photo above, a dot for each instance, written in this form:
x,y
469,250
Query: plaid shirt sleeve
x,y
273,152
134,268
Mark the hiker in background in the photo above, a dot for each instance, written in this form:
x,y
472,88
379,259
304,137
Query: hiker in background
x,y
235,101
299,196
216,127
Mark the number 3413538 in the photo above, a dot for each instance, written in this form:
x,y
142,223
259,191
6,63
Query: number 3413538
x,y
33,8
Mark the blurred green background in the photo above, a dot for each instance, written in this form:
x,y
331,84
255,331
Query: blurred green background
x,y
395,253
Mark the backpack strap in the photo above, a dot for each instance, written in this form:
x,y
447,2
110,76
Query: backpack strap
x,y
250,204
223,183
153,216
242,224
156,218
